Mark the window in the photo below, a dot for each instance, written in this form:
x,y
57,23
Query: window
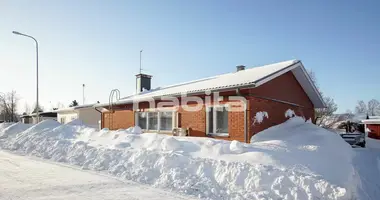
x,y
142,120
217,120
166,121
152,121
156,121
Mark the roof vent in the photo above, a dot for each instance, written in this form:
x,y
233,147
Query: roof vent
x,y
240,68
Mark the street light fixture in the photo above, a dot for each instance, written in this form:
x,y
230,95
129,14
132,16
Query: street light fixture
x,y
37,105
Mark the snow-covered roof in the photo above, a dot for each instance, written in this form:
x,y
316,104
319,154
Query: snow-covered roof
x,y
252,77
371,121
74,108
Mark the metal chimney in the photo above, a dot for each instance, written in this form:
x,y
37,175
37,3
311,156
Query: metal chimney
x,y
240,68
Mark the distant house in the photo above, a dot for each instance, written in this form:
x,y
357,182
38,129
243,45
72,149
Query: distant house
x,y
32,118
213,107
372,127
85,113
26,119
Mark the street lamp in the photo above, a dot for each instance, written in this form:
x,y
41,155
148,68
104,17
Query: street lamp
x,y
37,106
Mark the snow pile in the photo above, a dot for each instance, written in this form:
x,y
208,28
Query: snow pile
x,y
259,117
4,125
313,149
13,129
294,160
290,113
372,143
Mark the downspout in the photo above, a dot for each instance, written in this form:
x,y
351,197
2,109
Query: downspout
x,y
245,116
101,118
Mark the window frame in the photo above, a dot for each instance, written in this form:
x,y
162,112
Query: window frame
x,y
214,119
158,111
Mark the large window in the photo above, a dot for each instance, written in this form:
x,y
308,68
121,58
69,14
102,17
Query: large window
x,y
152,121
156,121
142,120
217,120
166,121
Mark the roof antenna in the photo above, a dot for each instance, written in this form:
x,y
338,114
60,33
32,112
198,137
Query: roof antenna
x,y
140,60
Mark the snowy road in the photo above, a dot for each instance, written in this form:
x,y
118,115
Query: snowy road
x,y
26,178
367,165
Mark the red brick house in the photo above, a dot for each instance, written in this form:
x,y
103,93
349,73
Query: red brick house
x,y
217,107
372,128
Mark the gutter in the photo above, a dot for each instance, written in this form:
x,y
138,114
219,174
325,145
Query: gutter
x,y
97,109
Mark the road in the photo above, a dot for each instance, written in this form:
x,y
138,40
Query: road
x,y
367,166
27,178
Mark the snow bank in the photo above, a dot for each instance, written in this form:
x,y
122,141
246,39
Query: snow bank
x,y
313,149
372,143
13,129
4,125
289,161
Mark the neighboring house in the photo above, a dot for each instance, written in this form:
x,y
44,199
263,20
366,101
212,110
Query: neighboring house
x,y
269,91
85,113
32,118
26,119
372,127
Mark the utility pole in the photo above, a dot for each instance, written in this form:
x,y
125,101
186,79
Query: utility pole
x,y
83,93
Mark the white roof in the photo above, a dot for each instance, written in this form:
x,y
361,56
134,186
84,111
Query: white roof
x,y
252,77
371,121
74,108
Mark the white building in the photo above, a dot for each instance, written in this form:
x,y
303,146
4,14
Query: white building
x,y
85,113
32,118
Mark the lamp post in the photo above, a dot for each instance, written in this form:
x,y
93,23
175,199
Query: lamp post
x,y
37,105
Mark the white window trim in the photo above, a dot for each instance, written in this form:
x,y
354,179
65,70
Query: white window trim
x,y
215,107
174,119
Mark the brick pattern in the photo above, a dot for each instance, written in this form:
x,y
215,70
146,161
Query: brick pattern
x,y
276,112
121,119
285,88
196,121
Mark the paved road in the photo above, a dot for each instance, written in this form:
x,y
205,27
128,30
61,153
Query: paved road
x,y
27,178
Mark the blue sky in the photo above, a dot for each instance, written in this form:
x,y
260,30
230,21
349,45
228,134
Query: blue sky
x,y
98,43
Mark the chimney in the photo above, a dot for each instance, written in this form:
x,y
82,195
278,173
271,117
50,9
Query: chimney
x,y
143,82
240,68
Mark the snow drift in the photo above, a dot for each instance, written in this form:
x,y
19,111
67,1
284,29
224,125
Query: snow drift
x,y
294,160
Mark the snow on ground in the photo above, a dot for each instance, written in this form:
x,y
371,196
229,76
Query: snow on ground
x,y
26,178
367,165
294,160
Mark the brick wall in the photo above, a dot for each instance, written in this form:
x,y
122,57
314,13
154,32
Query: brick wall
x,y
121,119
276,112
194,120
285,88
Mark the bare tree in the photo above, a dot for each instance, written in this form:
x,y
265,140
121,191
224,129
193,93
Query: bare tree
x,y
324,116
361,108
372,108
8,104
